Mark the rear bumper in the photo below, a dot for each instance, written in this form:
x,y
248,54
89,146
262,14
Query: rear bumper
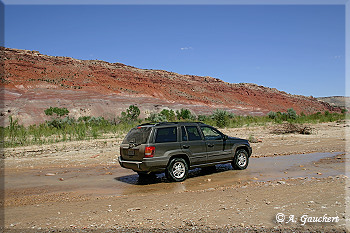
x,y
149,165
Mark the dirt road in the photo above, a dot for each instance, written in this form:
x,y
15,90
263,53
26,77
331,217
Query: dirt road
x,y
80,186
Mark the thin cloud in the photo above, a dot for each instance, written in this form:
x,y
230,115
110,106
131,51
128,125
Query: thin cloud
x,y
186,48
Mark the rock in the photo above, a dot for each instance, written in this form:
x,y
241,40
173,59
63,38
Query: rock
x,y
133,209
50,174
281,182
319,173
61,179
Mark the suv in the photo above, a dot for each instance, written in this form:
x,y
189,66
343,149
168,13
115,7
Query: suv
x,y
176,147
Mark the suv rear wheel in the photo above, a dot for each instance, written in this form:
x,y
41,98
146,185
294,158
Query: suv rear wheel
x,y
241,160
177,170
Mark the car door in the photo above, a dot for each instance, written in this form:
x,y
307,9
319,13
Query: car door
x,y
216,145
193,144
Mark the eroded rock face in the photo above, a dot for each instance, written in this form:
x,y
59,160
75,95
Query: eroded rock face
x,y
32,82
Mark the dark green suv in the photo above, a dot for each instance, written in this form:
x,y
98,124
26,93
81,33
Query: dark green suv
x,y
176,147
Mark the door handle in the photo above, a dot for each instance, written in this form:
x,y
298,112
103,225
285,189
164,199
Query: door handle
x,y
186,146
210,145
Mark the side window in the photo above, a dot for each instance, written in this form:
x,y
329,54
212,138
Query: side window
x,y
210,133
166,135
184,134
193,133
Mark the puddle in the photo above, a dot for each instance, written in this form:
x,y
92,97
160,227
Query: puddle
x,y
259,169
101,180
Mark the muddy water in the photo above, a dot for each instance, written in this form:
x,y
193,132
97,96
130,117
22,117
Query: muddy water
x,y
112,180
259,169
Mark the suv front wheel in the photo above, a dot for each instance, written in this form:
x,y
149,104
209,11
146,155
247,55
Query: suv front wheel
x,y
241,160
177,170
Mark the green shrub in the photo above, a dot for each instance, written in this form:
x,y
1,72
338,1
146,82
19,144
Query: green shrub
x,y
291,114
156,117
272,115
221,118
184,114
203,118
58,111
169,114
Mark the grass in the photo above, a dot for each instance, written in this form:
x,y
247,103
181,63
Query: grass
x,y
86,128
243,121
74,130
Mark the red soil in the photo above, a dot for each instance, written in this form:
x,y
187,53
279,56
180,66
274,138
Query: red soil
x,y
32,82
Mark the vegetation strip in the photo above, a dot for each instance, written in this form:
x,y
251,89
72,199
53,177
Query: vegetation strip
x,y
63,128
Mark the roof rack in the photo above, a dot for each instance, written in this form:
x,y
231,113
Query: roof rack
x,y
169,123
166,123
146,124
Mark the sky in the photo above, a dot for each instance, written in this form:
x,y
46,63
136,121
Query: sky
x,y
299,49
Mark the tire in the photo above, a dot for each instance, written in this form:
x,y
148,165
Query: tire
x,y
177,170
241,160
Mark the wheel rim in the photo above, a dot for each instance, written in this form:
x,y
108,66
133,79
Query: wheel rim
x,y
179,170
241,160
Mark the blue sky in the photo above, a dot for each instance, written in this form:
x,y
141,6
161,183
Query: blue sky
x,y
299,49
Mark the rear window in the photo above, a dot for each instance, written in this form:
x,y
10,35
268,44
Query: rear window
x,y
137,135
166,135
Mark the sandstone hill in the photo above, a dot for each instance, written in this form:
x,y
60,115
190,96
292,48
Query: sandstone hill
x,y
32,82
337,101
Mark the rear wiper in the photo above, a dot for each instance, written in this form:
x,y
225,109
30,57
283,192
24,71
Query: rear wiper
x,y
131,145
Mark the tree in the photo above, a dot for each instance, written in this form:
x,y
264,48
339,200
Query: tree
x,y
131,114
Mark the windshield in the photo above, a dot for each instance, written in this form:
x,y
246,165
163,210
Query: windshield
x,y
137,135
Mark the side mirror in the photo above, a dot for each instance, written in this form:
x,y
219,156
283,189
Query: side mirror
x,y
225,137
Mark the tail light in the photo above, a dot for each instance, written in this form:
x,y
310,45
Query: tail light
x,y
149,151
